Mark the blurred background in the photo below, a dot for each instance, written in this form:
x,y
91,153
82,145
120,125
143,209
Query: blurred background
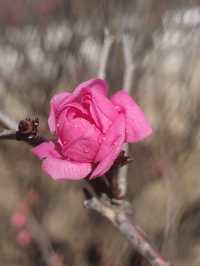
x,y
47,46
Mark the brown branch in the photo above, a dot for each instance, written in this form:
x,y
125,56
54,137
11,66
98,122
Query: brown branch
x,y
118,217
16,135
41,240
8,134
25,131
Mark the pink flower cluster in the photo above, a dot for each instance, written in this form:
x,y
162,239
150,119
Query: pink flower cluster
x,y
90,130
19,219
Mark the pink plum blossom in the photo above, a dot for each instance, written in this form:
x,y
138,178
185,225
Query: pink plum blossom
x,y
18,220
90,130
24,238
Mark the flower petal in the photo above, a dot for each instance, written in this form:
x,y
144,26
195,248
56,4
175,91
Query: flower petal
x,y
55,104
79,138
101,108
92,84
110,147
63,169
137,127
105,109
45,149
57,167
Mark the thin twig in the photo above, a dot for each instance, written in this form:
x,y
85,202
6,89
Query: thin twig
x,y
8,134
127,85
41,239
7,122
107,45
118,217
21,134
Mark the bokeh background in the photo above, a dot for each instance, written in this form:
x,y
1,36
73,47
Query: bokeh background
x,y
47,46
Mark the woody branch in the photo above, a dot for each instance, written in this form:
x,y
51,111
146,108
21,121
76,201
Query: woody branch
x,y
117,214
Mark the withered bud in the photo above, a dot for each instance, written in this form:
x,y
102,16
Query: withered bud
x,y
28,126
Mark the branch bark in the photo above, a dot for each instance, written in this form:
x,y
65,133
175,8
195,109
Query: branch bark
x,y
8,134
118,217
